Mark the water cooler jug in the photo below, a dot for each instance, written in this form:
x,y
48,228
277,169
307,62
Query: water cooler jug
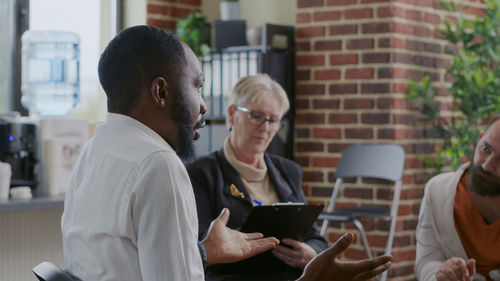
x,y
50,79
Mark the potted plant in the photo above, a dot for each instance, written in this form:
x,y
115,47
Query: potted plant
x,y
474,85
195,31
230,10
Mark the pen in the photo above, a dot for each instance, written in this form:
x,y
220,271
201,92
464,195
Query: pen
x,y
257,202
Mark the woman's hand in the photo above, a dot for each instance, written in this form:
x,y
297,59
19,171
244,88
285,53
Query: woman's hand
x,y
297,254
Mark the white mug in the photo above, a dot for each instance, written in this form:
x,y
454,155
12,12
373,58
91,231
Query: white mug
x,y
5,174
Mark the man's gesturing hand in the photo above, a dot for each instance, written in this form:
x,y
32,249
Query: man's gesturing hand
x,y
326,266
224,245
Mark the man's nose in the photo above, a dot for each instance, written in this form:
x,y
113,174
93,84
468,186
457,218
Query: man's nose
x,y
491,165
203,106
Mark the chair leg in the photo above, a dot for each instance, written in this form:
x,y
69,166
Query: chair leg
x,y
361,230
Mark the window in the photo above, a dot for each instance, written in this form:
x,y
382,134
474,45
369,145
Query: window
x,y
95,21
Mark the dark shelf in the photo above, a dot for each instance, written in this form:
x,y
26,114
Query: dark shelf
x,y
34,204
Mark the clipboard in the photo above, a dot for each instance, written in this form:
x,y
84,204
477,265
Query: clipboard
x,y
284,220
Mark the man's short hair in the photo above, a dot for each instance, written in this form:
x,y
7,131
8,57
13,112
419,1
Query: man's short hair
x,y
494,119
133,59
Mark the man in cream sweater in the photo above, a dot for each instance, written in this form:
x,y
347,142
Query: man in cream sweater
x,y
459,227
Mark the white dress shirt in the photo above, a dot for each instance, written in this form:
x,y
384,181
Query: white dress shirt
x,y
130,212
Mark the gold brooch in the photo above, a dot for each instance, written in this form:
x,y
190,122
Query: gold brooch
x,y
236,192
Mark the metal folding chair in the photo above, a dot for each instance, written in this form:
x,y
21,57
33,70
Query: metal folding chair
x,y
378,161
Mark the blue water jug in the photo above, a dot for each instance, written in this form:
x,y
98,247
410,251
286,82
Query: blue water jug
x,y
50,76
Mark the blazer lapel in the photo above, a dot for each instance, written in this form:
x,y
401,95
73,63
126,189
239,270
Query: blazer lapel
x,y
234,186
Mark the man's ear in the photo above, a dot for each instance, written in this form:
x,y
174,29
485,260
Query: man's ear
x,y
159,91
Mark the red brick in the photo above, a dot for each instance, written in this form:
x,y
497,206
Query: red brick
x,y
364,193
336,148
375,118
331,74
432,18
384,42
359,73
302,132
401,88
407,255
303,46
406,119
326,104
376,27
343,89
166,24
303,60
376,58
303,17
310,147
310,31
156,9
375,88
327,16
304,75
343,29
328,45
312,176
357,44
358,103
375,1
191,2
358,133
474,11
310,89
341,2
343,118
343,59
384,12
384,103
326,133
310,118
358,13
423,31
325,161
301,104
309,3
180,12
302,161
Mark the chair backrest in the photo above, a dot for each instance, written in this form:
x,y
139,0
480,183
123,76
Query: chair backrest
x,y
381,161
47,271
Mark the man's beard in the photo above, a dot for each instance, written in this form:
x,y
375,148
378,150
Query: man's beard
x,y
182,117
481,182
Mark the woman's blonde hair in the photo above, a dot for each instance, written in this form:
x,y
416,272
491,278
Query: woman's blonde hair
x,y
255,87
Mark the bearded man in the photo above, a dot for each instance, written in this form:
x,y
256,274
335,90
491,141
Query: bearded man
x,y
458,233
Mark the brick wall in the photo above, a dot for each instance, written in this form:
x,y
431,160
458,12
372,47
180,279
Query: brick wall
x,y
353,61
166,13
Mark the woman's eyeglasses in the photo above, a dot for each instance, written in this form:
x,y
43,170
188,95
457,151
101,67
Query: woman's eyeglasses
x,y
258,118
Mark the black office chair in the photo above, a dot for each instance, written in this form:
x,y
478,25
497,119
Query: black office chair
x,y
47,271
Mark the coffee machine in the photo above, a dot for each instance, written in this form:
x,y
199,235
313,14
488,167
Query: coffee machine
x,y
18,147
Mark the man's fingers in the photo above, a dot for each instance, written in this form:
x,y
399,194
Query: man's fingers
x,y
372,272
223,216
369,264
253,235
340,245
262,245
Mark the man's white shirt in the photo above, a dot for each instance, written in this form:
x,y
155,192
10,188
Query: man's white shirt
x,y
130,212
